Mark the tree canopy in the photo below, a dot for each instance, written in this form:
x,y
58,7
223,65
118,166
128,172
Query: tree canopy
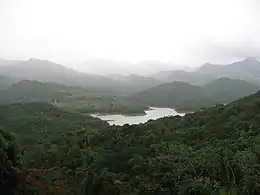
x,y
212,151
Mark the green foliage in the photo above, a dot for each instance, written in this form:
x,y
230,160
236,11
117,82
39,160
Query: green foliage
x,y
215,151
209,152
185,97
73,99
32,122
9,163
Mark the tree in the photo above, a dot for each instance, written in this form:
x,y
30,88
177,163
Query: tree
x,y
9,163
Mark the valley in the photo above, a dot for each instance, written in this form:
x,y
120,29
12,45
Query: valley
x,y
66,132
139,97
115,94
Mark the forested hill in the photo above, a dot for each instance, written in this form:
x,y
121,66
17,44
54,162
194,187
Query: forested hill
x,y
73,99
247,69
214,151
186,97
225,90
47,71
178,95
32,122
29,91
51,72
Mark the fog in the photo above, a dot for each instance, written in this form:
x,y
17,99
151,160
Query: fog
x,y
137,36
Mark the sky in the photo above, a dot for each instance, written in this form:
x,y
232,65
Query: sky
x,y
127,32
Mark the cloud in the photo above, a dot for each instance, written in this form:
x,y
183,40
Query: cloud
x,y
172,32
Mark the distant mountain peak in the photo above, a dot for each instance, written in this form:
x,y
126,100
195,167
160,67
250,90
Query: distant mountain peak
x,y
251,59
207,65
250,62
33,59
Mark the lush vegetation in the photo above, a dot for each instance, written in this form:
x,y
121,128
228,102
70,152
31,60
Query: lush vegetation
x,y
73,99
110,94
185,97
178,95
9,164
33,122
49,144
209,152
214,151
36,128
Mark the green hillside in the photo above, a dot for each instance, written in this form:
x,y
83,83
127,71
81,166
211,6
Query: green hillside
x,y
214,151
26,91
74,99
31,122
178,95
185,97
225,90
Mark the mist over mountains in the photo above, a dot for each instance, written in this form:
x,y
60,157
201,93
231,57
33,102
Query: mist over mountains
x,y
43,80
247,69
47,71
145,67
46,106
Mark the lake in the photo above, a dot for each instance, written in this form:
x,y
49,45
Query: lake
x,y
152,113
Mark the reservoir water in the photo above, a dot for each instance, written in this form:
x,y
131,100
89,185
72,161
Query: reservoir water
x,y
153,113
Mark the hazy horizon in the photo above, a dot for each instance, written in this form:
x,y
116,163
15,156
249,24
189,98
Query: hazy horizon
x,y
109,67
130,36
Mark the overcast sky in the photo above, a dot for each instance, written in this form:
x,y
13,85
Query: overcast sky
x,y
189,32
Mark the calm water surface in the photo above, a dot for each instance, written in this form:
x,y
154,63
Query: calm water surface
x,y
152,113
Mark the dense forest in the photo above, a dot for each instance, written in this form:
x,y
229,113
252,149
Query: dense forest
x,y
73,91
129,97
49,145
178,95
214,151
186,97
71,98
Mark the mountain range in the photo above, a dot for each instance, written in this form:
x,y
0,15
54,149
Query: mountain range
x,y
45,148
247,69
137,82
194,78
47,71
42,80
